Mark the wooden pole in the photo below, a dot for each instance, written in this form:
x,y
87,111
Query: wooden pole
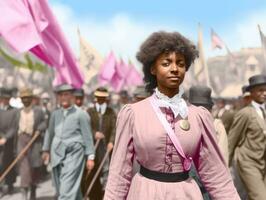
x,y
20,155
96,175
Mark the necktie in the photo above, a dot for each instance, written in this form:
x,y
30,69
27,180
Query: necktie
x,y
263,112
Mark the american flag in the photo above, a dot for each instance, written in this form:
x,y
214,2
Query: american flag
x,y
216,40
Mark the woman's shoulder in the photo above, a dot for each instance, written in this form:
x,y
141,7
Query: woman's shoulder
x,y
133,108
198,110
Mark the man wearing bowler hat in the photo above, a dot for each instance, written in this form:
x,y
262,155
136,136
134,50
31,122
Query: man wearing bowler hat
x,y
201,96
247,140
31,121
79,98
68,144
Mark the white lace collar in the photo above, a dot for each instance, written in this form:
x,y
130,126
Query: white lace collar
x,y
175,98
177,104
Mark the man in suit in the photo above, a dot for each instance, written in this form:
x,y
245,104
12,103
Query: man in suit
x,y
201,96
30,122
68,144
103,121
8,130
79,98
247,140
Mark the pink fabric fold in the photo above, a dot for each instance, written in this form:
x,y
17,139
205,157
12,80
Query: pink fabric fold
x,y
29,25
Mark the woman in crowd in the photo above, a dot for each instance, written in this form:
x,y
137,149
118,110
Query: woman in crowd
x,y
165,134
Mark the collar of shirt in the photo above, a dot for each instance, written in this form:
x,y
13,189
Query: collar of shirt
x,y
258,107
66,110
101,107
28,109
177,104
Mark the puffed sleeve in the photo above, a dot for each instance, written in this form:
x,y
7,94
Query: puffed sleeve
x,y
222,139
210,164
120,172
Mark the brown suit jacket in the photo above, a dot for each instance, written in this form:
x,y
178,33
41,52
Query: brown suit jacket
x,y
108,123
247,139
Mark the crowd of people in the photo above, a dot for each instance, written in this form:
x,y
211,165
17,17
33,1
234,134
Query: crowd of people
x,y
160,142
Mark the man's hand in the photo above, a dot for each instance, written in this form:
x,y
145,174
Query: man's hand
x,y
99,135
90,165
3,141
46,157
110,146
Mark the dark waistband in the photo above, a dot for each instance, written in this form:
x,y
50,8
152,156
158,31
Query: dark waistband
x,y
164,177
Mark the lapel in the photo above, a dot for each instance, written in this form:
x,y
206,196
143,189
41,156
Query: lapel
x,y
35,117
258,119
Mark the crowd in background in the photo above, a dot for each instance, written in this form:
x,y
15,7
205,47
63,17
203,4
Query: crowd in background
x,y
24,114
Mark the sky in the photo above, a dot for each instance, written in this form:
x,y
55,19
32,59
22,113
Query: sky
x,y
122,25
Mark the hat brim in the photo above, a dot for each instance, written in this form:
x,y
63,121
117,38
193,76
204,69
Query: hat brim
x,y
23,96
252,86
101,94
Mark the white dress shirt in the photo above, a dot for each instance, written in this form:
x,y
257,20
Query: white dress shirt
x,y
258,108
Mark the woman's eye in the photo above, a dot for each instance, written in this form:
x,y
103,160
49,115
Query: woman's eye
x,y
181,64
166,64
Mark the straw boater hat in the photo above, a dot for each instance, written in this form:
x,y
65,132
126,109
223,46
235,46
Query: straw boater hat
x,y
25,92
101,92
200,95
256,81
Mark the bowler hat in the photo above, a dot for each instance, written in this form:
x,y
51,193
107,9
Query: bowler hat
x,y
244,91
256,81
200,95
101,92
25,92
78,92
5,93
63,88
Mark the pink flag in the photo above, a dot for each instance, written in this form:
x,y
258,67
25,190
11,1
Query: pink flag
x,y
133,76
29,25
118,80
216,40
107,70
122,68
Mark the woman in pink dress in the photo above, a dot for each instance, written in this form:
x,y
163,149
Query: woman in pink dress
x,y
165,134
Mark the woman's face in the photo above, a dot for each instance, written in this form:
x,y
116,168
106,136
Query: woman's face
x,y
169,69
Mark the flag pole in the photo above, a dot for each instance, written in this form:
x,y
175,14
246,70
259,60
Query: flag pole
x,y
263,48
202,57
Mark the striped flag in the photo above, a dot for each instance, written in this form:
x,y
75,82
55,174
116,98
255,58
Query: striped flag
x,y
216,40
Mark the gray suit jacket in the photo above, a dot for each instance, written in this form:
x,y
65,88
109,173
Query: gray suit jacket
x,y
64,131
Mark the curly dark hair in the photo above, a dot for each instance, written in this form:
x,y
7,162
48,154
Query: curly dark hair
x,y
161,42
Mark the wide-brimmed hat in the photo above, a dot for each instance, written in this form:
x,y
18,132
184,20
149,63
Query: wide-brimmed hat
x,y
256,81
200,95
25,92
101,92
63,88
78,92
